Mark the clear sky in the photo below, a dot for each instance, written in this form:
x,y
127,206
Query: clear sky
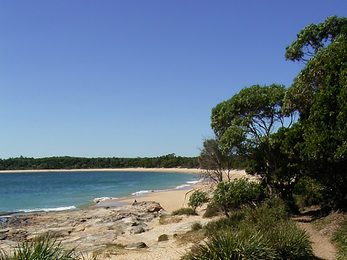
x,y
130,78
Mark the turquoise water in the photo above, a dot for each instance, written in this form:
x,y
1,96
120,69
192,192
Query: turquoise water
x,y
36,191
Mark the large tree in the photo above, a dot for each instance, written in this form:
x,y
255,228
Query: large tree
x,y
246,123
319,94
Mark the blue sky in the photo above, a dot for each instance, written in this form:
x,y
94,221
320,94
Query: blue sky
x,y
136,78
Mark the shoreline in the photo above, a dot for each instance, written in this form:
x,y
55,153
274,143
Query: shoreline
x,y
138,169
140,195
170,199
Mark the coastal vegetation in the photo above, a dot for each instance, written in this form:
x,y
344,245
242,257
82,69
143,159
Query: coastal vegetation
x,y
264,232
197,199
66,162
294,138
43,247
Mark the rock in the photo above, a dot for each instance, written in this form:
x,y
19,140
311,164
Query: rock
x,y
132,221
59,232
136,245
3,234
137,230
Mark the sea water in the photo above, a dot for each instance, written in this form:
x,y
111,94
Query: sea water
x,y
53,191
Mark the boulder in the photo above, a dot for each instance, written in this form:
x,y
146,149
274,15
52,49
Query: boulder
x,y
136,245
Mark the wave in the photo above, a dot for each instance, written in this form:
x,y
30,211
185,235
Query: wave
x,y
183,186
101,199
179,187
138,193
195,182
47,209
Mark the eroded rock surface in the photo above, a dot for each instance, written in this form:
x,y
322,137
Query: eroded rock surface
x,y
87,230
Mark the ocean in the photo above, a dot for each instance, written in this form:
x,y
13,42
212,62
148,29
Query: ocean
x,y
53,191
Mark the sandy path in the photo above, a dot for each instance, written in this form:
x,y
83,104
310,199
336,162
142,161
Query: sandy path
x,y
321,245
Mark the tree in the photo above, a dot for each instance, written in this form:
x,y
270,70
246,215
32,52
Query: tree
x,y
245,123
235,194
215,164
319,94
197,199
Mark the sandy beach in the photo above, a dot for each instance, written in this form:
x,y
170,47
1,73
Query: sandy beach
x,y
100,229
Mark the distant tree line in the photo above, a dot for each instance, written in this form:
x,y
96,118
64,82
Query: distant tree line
x,y
66,162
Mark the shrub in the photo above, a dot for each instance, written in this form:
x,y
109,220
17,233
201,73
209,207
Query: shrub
x,y
235,194
184,211
163,237
167,219
197,199
42,248
265,232
212,210
232,223
289,241
308,192
231,245
196,226
268,213
340,238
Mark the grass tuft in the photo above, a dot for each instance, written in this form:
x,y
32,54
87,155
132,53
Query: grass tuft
x,y
42,248
340,239
184,211
196,226
212,210
163,237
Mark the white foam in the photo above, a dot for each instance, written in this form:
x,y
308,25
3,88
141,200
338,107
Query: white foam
x,y
194,182
101,199
138,193
182,186
47,209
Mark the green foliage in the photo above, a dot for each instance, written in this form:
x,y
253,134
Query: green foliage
x,y
212,210
242,121
163,237
42,248
197,199
340,239
235,194
166,161
308,192
232,223
264,232
247,124
230,245
319,94
196,226
184,211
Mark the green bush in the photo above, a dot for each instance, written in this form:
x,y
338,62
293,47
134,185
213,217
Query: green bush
x,y
196,226
184,211
280,238
231,223
212,210
235,194
42,248
197,199
340,239
231,245
308,192
289,241
268,213
163,237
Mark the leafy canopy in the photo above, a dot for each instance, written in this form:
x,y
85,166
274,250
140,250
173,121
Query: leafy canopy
x,y
243,121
